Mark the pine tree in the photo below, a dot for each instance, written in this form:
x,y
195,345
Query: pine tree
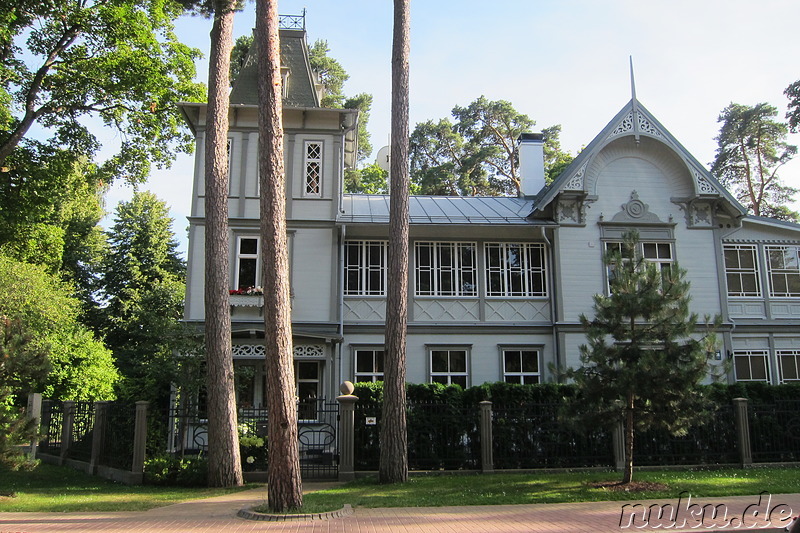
x,y
394,441
641,364
284,485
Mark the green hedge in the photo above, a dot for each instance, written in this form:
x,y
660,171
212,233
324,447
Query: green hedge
x,y
531,432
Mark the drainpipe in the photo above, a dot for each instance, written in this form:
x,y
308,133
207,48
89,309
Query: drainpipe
x,y
553,317
342,235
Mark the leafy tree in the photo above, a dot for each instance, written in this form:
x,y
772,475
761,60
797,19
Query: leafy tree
x,y
751,149
362,102
284,485
238,55
81,367
792,92
118,61
371,179
330,73
477,154
393,466
22,364
50,208
441,163
641,364
143,290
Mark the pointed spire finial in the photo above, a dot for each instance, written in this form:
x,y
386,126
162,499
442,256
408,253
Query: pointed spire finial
x,y
634,106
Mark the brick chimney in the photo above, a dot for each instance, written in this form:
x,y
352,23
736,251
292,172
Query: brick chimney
x,y
531,163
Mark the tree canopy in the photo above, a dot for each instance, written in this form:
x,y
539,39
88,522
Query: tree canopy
x,y
50,208
22,365
641,364
81,367
751,150
143,290
476,154
117,61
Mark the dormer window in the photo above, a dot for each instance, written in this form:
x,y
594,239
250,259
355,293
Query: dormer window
x,y
285,81
312,163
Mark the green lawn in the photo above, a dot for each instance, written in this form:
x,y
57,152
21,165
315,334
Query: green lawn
x,y
481,489
62,489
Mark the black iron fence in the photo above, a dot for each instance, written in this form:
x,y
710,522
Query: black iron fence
x,y
775,431
442,435
317,436
710,441
534,436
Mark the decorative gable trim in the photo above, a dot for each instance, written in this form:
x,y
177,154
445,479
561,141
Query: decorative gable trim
x,y
636,211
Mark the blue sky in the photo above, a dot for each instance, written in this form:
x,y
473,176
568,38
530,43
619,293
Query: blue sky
x,y
558,61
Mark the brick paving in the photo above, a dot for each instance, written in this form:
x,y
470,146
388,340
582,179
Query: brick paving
x,y
219,514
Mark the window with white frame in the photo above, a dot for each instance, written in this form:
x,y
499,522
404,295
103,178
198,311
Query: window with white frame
x,y
751,365
368,364
445,269
515,269
741,270
658,253
365,268
783,266
247,267
312,164
521,365
449,366
789,365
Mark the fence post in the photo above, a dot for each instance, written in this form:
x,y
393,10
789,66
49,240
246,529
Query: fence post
x,y
34,412
347,406
487,442
742,431
68,416
618,442
98,434
139,437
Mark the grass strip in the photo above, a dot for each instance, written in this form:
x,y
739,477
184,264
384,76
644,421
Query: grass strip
x,y
50,488
496,489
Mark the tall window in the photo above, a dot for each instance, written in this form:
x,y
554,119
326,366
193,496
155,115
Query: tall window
x,y
449,366
789,365
515,269
445,269
308,388
312,162
741,270
658,253
369,365
783,265
365,268
751,365
247,268
521,366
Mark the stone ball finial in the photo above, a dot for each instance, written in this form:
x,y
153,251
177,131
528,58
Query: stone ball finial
x,y
346,388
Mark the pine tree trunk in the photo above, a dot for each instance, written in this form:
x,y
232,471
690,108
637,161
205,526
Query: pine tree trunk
x,y
628,476
393,440
224,462
284,486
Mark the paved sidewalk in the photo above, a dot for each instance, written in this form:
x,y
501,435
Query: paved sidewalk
x,y
219,514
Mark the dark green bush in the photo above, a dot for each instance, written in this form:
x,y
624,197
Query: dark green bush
x,y
191,471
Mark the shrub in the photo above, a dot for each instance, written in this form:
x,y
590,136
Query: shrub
x,y
173,471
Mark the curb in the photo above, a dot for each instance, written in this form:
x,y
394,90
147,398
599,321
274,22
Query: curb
x,y
249,514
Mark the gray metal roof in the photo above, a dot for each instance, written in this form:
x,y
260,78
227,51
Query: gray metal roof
x,y
294,56
460,210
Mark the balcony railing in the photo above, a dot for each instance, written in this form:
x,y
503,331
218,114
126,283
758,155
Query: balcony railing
x,y
292,22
